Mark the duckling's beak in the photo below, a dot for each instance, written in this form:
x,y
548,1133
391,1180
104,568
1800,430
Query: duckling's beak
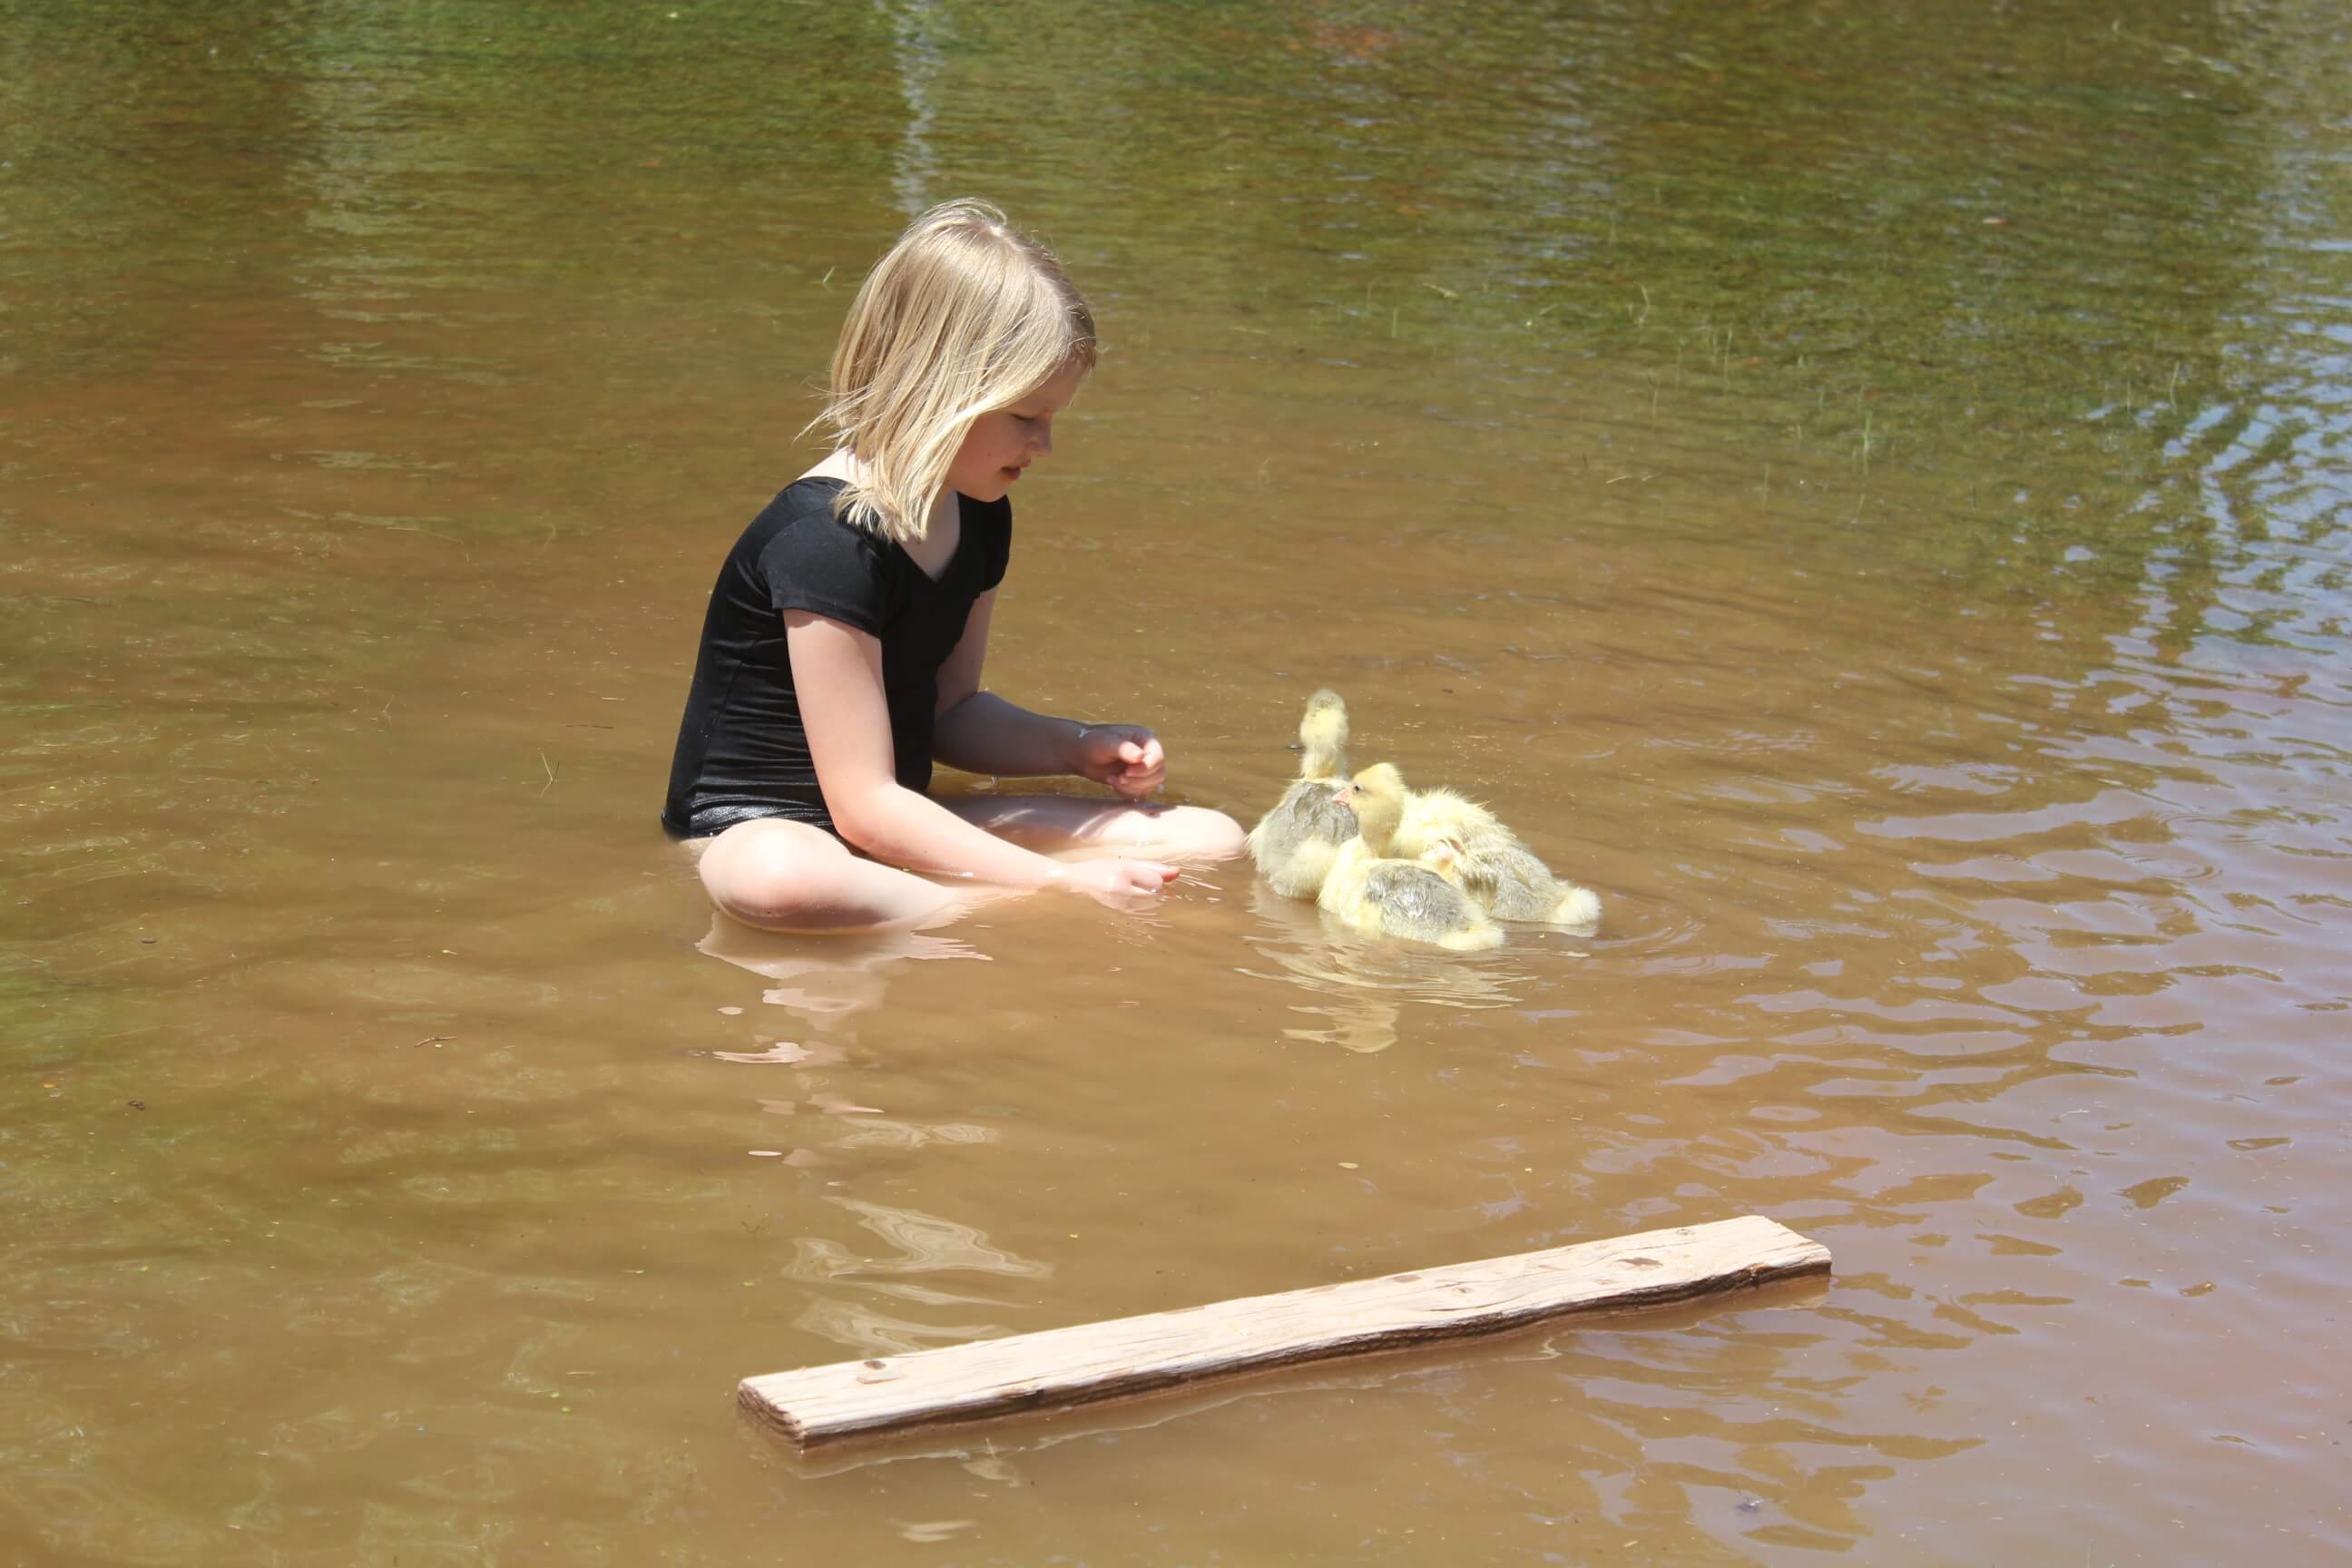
x,y
1347,793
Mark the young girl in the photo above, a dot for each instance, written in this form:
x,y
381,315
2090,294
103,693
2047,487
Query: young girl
x,y
842,650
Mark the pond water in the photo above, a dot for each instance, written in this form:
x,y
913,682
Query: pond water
x,y
1867,490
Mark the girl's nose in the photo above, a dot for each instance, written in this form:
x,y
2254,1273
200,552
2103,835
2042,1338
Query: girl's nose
x,y
1041,437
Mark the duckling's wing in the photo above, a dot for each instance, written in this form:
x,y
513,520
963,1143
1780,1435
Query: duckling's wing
x,y
1416,902
1272,842
1291,819
1515,885
1307,811
1292,843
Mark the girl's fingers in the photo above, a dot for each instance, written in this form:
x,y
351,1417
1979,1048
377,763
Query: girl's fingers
x,y
1136,764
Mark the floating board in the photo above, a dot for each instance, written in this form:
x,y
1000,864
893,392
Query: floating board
x,y
1089,1362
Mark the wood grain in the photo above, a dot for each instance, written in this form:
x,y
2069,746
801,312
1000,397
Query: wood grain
x,y
1087,1361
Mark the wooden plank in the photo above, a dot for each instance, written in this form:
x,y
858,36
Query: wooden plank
x,y
1088,1362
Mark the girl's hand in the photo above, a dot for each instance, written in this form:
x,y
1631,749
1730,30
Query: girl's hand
x,y
1125,756
1115,881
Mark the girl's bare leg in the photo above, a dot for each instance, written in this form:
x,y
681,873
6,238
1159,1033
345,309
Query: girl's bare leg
x,y
778,875
1051,823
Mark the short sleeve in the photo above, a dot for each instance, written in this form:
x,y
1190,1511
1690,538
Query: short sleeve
x,y
826,567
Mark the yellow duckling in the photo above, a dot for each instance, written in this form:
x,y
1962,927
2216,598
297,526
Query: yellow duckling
x,y
1382,896
1494,866
1294,843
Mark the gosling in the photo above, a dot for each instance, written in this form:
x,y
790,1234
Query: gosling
x,y
1378,895
1294,844
1505,877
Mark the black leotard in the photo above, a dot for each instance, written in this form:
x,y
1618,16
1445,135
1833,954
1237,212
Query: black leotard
x,y
741,750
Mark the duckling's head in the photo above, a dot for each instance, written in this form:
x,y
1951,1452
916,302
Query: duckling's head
x,y
1377,798
1323,736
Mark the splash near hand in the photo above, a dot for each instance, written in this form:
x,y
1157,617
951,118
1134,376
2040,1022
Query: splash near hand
x,y
1119,883
1127,757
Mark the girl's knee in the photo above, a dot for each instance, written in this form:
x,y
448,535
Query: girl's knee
x,y
1199,831
787,876
1225,836
765,873
1171,832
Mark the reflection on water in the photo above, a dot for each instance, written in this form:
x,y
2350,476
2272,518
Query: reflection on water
x,y
925,1246
827,978
1355,986
1868,487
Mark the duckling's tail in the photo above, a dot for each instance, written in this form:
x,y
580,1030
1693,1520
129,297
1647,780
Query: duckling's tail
x,y
1577,907
1323,733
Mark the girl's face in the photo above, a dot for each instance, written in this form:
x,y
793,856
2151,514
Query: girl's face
x,y
1004,441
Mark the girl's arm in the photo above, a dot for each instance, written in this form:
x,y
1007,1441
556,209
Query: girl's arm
x,y
981,733
837,671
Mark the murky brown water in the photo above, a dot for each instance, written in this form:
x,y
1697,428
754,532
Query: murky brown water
x,y
1868,494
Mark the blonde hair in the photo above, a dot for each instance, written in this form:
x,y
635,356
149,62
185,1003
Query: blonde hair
x,y
965,315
